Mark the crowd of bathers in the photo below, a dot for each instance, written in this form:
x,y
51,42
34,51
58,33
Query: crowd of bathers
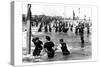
x,y
48,47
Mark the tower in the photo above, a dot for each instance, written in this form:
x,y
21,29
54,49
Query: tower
x,y
73,15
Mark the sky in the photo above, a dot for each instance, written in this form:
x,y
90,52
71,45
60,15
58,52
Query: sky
x,y
58,10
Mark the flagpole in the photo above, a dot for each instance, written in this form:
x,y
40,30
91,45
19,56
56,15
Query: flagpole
x,y
29,29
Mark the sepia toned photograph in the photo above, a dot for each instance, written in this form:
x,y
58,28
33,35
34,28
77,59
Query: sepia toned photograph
x,y
56,33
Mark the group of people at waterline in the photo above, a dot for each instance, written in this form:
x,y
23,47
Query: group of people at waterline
x,y
48,47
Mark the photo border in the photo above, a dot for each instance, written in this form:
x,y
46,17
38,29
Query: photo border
x,y
18,34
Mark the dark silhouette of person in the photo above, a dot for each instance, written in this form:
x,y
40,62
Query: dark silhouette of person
x,y
46,28
50,28
64,49
82,36
40,28
76,30
88,31
38,46
48,46
71,27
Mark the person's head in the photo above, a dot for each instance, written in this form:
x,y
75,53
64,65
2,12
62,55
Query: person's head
x,y
37,39
61,40
48,38
33,39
